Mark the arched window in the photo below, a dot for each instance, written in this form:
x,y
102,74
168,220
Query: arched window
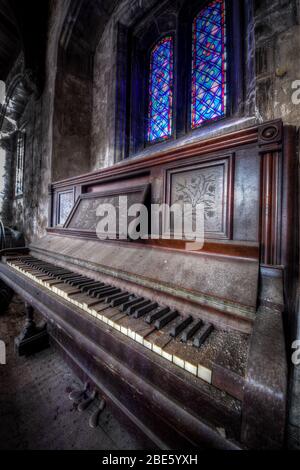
x,y
209,64
160,108
181,67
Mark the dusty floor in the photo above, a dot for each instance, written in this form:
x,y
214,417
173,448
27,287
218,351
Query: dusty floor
x,y
35,410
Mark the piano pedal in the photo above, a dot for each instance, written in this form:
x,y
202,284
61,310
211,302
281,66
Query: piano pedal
x,y
94,418
83,405
77,395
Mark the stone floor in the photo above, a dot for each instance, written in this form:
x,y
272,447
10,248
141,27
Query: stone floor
x,y
35,410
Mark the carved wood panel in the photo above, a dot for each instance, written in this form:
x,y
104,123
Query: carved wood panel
x,y
209,183
84,214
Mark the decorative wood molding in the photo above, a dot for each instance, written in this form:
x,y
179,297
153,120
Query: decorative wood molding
x,y
270,208
270,133
142,165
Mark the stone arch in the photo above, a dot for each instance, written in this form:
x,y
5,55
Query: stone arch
x,y
80,34
73,129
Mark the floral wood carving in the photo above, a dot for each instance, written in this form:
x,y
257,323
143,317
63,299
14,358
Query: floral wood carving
x,y
197,190
207,184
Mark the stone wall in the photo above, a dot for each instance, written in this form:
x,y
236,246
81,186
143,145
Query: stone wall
x,y
277,48
103,120
7,196
30,212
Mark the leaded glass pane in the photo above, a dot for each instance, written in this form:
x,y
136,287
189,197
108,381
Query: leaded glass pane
x,y
209,64
161,90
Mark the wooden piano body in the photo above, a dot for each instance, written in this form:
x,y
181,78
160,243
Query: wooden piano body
x,y
237,283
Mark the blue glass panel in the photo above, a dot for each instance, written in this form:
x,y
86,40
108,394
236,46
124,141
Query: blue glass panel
x,y
209,64
161,91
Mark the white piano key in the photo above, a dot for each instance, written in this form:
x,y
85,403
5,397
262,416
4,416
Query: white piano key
x,y
204,373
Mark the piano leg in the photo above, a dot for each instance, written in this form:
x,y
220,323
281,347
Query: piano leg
x,y
32,338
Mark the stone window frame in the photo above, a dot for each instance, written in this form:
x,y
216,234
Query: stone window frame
x,y
133,52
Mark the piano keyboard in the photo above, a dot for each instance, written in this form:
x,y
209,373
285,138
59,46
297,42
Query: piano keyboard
x,y
185,341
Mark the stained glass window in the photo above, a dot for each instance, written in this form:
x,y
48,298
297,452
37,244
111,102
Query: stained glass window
x,y
209,64
161,90
20,164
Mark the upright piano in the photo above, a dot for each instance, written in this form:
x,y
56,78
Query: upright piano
x,y
187,346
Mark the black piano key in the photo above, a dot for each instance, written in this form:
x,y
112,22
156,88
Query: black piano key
x,y
65,277
141,311
42,270
99,285
90,286
86,284
79,281
112,297
72,279
99,290
40,267
56,271
158,313
121,300
180,326
203,335
165,319
191,331
54,274
103,295
32,265
133,308
136,300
